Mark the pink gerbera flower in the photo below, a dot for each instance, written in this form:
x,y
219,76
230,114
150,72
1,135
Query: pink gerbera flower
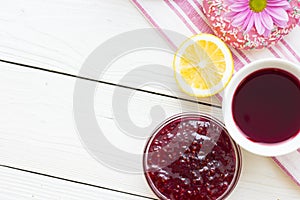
x,y
263,14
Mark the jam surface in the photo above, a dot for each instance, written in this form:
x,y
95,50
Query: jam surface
x,y
190,158
266,106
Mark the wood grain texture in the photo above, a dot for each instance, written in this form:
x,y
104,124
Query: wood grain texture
x,y
15,184
37,133
60,35
40,112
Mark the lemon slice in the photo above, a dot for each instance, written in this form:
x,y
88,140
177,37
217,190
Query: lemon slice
x,y
203,65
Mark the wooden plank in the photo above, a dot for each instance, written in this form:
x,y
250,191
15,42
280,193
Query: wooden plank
x,y
60,35
15,184
38,133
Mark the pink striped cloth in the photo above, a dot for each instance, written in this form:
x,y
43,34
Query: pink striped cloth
x,y
187,17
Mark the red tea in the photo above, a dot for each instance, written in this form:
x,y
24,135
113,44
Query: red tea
x,y
266,106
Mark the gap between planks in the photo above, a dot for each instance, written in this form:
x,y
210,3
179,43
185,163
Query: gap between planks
x,y
109,83
40,179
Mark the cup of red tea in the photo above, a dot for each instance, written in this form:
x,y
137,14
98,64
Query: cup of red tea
x,y
191,156
261,107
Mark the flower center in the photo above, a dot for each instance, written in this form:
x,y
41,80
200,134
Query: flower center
x,y
257,5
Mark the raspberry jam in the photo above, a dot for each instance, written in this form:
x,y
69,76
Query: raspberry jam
x,y
266,106
191,156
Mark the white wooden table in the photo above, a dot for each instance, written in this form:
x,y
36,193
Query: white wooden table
x,y
43,44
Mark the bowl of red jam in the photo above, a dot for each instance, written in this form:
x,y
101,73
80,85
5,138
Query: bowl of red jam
x,y
191,156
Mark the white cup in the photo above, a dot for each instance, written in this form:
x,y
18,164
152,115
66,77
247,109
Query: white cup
x,y
264,149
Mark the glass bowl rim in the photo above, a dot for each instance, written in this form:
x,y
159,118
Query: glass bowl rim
x,y
237,150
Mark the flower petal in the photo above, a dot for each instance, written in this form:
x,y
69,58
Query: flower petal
x,y
239,7
279,3
266,20
240,18
274,1
280,23
259,27
283,4
267,33
277,13
250,23
231,2
230,15
246,22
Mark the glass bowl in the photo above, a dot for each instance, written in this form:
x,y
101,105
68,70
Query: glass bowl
x,y
191,156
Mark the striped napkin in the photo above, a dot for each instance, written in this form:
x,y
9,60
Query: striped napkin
x,y
187,17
